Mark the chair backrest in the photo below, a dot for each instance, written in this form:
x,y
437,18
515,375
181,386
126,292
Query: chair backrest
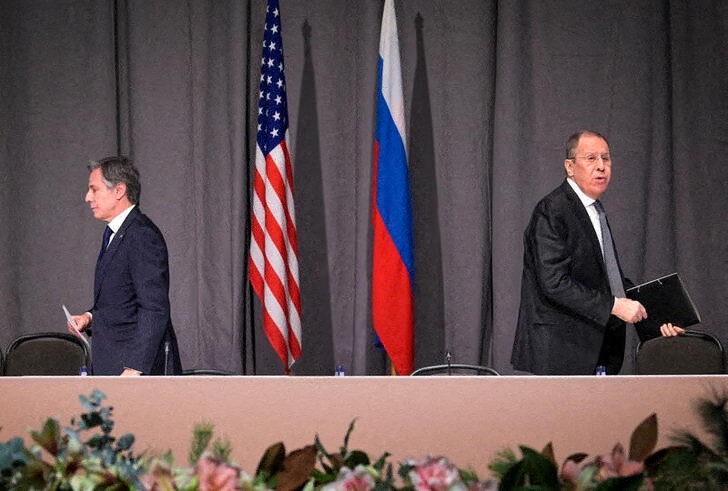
x,y
455,369
46,353
206,371
694,352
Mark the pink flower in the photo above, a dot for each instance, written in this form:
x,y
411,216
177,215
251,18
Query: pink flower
x,y
572,467
357,480
616,465
607,466
435,474
216,476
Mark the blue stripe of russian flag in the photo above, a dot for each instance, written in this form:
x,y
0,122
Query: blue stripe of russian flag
x,y
393,197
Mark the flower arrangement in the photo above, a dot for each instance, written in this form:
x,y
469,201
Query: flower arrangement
x,y
87,456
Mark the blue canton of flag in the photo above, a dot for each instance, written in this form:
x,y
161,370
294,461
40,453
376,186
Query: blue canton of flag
x,y
272,101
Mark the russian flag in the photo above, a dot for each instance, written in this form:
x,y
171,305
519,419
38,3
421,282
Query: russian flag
x,y
392,252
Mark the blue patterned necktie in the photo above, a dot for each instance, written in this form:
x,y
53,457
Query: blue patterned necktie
x,y
610,258
105,242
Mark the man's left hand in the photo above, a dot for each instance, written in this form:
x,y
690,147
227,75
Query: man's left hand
x,y
130,372
670,330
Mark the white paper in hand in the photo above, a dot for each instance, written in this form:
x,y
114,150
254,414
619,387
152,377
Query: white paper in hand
x,y
74,327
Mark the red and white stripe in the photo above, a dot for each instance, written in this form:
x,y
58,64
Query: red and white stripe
x,y
273,264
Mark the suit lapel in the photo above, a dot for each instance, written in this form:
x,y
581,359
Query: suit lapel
x,y
111,250
583,217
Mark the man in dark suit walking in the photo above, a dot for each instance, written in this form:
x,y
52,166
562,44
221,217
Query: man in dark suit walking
x,y
573,306
130,317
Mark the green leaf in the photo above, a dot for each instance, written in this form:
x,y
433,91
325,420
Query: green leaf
x,y
469,475
319,446
221,450
201,436
548,452
404,470
322,453
34,475
310,485
356,457
322,478
533,472
348,434
630,483
96,441
500,464
381,461
49,437
644,439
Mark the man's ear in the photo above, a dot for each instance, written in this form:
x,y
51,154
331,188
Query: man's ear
x,y
569,167
120,190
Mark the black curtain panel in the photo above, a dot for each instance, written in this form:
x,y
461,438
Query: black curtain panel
x,y
492,90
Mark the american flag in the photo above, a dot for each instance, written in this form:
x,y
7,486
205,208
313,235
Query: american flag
x,y
273,268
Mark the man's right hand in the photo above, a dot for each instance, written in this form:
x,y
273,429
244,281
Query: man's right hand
x,y
83,322
629,310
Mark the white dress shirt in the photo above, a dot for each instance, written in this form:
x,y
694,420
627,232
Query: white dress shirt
x,y
590,209
116,222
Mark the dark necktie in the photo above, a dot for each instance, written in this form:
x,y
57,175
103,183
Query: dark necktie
x,y
610,258
105,242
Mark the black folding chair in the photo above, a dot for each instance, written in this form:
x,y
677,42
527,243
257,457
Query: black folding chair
x,y
206,371
694,352
46,353
455,369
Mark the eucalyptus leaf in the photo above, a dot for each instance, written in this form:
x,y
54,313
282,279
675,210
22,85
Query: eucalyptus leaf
x,y
12,456
91,420
125,442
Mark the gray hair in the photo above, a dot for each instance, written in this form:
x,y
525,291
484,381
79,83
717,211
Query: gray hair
x,y
119,169
573,141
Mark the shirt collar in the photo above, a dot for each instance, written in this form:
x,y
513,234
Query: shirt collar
x,y
585,200
116,222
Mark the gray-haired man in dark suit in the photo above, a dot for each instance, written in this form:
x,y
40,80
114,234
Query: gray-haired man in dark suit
x,y
573,306
130,317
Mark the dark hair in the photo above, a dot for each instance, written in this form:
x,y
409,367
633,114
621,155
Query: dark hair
x,y
117,169
573,141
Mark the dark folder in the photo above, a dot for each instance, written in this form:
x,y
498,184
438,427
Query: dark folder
x,y
666,300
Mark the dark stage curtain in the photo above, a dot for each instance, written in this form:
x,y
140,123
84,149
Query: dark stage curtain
x,y
492,91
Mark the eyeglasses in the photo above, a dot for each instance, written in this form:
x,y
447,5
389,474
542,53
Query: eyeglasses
x,y
592,159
